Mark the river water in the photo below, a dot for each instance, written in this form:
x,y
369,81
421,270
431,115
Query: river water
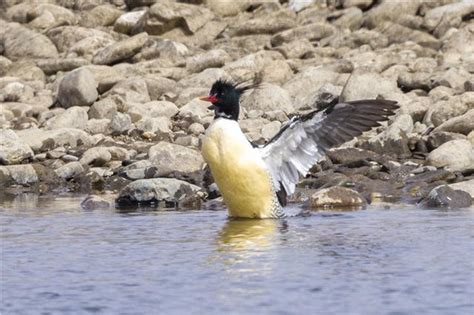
x,y
59,259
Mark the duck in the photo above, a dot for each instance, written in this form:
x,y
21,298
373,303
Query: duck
x,y
256,180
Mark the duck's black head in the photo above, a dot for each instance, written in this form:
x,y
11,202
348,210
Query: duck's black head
x,y
225,97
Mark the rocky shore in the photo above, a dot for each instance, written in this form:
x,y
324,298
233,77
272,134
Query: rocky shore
x,y
101,96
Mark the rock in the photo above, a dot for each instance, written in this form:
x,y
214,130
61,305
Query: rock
x,y
390,11
296,49
131,90
227,8
204,79
20,42
18,174
270,129
41,140
176,161
152,109
431,176
105,76
12,149
120,123
299,5
196,110
446,197
92,202
167,192
158,125
463,124
467,186
196,129
398,34
165,16
267,24
436,139
5,64
65,37
351,18
77,88
363,85
311,32
361,4
211,59
267,98
455,106
440,15
336,197
350,155
51,66
73,117
455,155
128,21
121,50
104,108
276,71
102,15
69,170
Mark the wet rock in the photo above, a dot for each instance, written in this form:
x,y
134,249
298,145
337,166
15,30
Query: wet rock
x,y
336,197
93,202
73,117
41,140
18,174
20,42
267,98
455,155
121,50
165,192
12,149
69,170
446,197
173,160
467,186
128,21
77,88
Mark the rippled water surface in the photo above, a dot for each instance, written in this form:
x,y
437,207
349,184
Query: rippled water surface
x,y
59,259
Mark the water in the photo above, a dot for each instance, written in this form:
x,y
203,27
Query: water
x,y
59,259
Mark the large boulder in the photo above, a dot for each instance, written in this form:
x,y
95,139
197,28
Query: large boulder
x,y
172,160
78,88
12,149
455,155
165,192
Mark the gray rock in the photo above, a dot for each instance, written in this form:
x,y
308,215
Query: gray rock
x,y
227,8
41,140
266,24
296,49
77,88
128,21
211,59
463,124
196,129
73,117
97,126
18,174
105,76
363,85
267,98
20,42
204,79
5,64
436,139
435,17
362,4
455,155
165,192
397,33
276,71
120,50
350,155
101,15
444,110
158,125
467,186
351,18
120,123
336,197
173,160
69,170
131,90
271,129
446,197
12,149
196,110
103,109
390,11
312,32
152,109
92,202
51,66
97,156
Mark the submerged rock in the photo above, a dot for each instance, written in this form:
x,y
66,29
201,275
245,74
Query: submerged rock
x,y
93,202
166,192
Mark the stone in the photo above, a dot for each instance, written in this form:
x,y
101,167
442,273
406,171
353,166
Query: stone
x,y
97,126
296,49
152,109
97,156
196,129
121,50
455,106
268,24
455,155
167,192
131,90
271,129
18,174
227,8
20,42
128,21
299,5
120,123
73,117
5,64
446,197
103,109
463,124
69,170
65,37
176,161
44,16
397,33
467,186
336,197
312,32
51,66
92,202
390,11
268,97
105,76
196,110
350,155
12,149
437,138
362,4
41,140
351,18
363,85
214,58
102,15
445,13
77,88
276,72
157,125
204,78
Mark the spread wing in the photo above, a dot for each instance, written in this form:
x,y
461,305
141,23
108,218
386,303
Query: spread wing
x,y
304,140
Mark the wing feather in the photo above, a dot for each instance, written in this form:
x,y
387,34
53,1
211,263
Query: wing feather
x,y
304,140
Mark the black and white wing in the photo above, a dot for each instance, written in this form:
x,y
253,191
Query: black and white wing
x,y
304,140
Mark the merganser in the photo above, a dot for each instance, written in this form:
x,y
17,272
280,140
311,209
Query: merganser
x,y
255,181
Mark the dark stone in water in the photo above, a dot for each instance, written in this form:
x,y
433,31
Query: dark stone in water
x,y
446,197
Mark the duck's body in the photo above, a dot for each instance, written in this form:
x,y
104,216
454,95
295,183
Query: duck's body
x,y
253,181
239,171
